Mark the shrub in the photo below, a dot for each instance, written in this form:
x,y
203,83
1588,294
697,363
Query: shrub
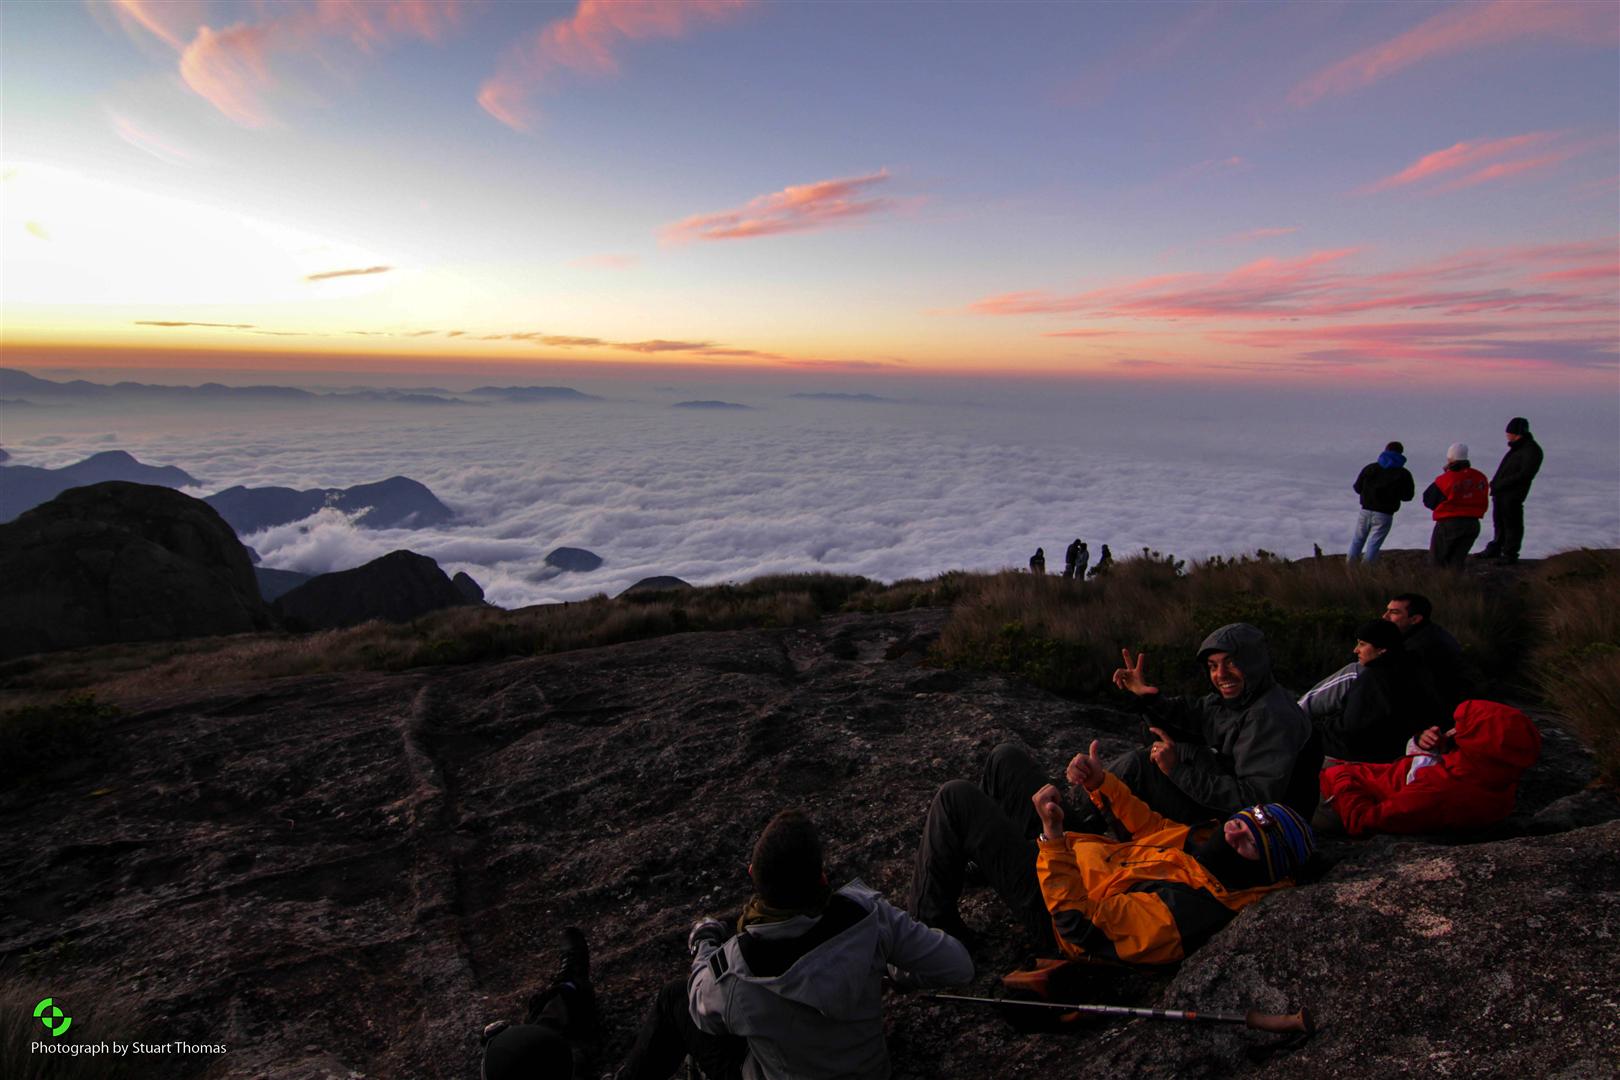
x,y
1576,664
36,738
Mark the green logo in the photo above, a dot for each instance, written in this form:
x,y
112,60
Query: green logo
x,y
56,1022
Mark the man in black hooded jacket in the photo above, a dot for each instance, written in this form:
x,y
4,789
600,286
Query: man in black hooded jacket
x,y
1509,488
1213,755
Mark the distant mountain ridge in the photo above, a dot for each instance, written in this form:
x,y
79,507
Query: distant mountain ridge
x,y
23,487
397,502
20,386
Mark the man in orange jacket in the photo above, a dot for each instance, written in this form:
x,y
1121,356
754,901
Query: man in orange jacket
x,y
1147,900
1459,497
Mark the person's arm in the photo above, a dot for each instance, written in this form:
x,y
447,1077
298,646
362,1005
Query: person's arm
x,y
1258,771
1360,476
1136,816
1376,799
1132,927
1407,487
705,996
1433,496
929,957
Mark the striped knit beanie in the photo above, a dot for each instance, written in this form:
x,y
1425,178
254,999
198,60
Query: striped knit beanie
x,y
1283,837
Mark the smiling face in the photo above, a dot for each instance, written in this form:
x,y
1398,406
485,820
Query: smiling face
x,y
1225,675
1241,839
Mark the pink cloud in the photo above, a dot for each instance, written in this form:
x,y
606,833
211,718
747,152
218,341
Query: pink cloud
x,y
1083,333
799,208
1321,286
589,43
231,68
1260,234
1460,28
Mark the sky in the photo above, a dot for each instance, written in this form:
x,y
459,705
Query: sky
x,y
1328,196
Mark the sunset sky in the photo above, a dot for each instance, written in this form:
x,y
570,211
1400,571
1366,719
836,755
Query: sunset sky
x,y
1317,193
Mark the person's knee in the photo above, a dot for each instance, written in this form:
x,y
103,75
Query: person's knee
x,y
1008,755
1131,766
952,798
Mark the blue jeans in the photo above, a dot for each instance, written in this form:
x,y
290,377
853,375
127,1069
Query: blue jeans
x,y
1371,528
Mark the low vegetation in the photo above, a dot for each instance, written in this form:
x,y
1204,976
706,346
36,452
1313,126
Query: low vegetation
x,y
1553,634
1576,664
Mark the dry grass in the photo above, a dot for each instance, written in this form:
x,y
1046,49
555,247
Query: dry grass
x,y
1577,663
123,673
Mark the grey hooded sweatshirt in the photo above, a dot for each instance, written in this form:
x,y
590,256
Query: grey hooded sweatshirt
x,y
1250,744
816,1011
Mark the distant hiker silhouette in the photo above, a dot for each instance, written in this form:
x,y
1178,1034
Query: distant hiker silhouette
x,y
1104,561
1037,561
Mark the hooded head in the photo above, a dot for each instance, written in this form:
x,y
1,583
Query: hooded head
x,y
1393,457
1495,743
1246,647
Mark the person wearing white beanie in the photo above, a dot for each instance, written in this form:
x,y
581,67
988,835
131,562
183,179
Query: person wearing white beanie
x,y
1458,497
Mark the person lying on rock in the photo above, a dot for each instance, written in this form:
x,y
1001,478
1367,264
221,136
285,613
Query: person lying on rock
x,y
1151,899
1235,747
1389,702
797,992
1466,777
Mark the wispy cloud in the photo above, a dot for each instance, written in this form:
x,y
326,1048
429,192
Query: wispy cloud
x,y
588,42
358,272
1321,286
231,67
174,322
1466,164
1260,234
1460,28
799,208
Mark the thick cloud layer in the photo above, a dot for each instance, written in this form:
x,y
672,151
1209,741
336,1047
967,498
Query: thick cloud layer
x,y
945,479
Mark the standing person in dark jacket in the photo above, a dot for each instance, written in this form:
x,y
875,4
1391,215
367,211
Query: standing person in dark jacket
x,y
1389,702
1037,561
1216,754
1070,554
1458,497
1431,645
1383,485
1509,488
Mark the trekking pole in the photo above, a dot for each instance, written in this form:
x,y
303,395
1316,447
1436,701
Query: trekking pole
x,y
1259,1021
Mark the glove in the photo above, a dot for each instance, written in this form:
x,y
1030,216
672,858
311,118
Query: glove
x,y
705,929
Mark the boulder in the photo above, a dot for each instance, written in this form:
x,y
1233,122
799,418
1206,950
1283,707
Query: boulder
x,y
576,560
467,587
662,583
117,562
400,586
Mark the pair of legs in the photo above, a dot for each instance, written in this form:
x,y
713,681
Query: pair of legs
x,y
1371,528
667,1035
1507,527
993,824
1451,539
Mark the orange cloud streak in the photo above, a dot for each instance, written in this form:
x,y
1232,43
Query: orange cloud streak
x,y
1458,29
799,208
588,42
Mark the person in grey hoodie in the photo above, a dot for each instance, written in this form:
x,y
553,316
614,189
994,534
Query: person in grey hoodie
x,y
797,991
1383,485
1246,743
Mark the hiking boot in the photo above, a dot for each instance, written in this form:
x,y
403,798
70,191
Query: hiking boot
x,y
575,964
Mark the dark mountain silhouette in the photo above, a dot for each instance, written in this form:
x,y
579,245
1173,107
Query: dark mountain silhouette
x,y
577,560
531,393
23,487
662,583
398,502
399,586
20,383
274,583
467,587
115,562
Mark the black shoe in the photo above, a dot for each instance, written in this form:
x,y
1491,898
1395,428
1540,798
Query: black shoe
x,y
575,963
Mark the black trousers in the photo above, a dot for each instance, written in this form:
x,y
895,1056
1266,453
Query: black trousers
x,y
1148,783
995,826
667,1035
1507,525
1451,539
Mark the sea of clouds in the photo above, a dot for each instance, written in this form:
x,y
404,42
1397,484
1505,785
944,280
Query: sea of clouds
x,y
944,475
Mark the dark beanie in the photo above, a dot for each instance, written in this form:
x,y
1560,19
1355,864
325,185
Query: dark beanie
x,y
1518,426
1396,447
1381,633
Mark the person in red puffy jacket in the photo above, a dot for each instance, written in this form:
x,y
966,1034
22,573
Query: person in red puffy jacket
x,y
1459,497
1464,778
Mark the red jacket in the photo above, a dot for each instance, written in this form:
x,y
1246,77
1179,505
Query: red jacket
x,y
1463,493
1471,786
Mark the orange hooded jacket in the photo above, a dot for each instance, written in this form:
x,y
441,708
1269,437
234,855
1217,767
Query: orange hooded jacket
x,y
1141,901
